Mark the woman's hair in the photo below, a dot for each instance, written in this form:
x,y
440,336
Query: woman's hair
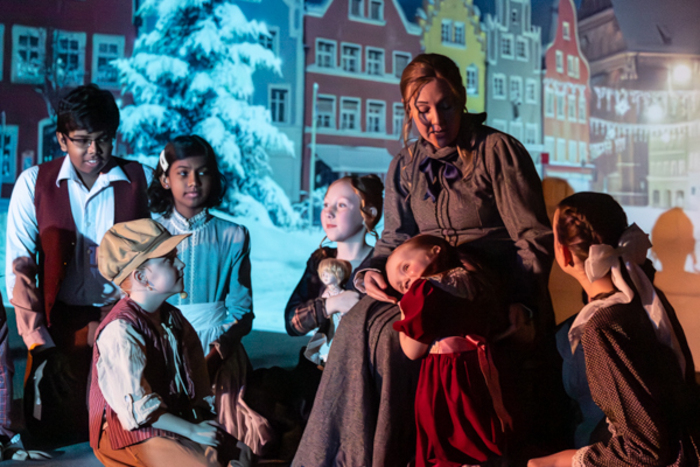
x,y
370,189
422,70
338,267
161,200
587,219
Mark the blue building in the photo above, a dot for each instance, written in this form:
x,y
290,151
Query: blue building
x,y
282,94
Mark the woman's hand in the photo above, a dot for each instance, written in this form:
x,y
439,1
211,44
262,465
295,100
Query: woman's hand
x,y
205,433
560,459
376,287
342,302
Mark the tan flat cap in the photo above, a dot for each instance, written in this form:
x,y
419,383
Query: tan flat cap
x,y
128,245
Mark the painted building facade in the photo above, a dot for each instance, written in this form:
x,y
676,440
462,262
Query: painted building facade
x,y
282,94
452,28
566,95
645,113
47,45
356,51
514,74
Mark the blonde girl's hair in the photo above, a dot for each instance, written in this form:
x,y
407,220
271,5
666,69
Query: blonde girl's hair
x,y
338,267
422,70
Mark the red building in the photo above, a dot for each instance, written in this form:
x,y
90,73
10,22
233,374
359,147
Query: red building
x,y
356,52
47,45
565,107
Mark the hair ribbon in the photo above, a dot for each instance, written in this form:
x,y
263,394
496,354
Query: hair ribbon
x,y
163,161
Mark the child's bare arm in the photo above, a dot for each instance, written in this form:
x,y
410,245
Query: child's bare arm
x,y
412,348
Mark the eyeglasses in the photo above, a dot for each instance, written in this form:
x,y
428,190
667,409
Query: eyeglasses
x,y
84,143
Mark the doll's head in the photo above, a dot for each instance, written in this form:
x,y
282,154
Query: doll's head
x,y
421,256
142,251
334,271
352,205
187,178
584,219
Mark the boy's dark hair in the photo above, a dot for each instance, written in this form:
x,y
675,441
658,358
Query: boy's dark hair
x,y
161,200
88,108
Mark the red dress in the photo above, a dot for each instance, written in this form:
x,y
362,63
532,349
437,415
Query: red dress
x,y
456,421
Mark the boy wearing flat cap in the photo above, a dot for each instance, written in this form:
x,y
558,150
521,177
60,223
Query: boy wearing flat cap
x,y
149,377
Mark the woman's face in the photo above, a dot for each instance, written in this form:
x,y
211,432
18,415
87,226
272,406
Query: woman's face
x,y
436,114
341,217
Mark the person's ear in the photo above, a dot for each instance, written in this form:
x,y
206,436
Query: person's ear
x,y
139,276
434,251
62,141
164,182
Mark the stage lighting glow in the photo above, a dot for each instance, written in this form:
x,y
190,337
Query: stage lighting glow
x,y
655,113
682,74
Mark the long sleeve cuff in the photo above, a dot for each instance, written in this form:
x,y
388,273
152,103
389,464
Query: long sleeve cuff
x,y
577,460
39,337
139,411
359,280
309,316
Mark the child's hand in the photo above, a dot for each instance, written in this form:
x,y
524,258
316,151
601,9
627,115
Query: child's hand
x,y
376,285
205,433
342,303
560,459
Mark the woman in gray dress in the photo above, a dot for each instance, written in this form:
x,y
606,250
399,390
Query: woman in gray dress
x,y
475,187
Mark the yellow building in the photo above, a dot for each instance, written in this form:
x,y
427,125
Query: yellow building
x,y
451,28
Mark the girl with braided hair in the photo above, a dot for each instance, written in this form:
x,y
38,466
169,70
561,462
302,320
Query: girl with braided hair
x,y
638,365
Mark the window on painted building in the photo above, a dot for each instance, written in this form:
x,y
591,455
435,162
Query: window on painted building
x,y
472,80
446,31
279,103
376,10
8,153
507,46
269,40
516,88
521,49
582,108
514,15
356,7
561,103
325,54
516,130
401,61
325,112
572,107
349,114
566,29
375,62
561,149
573,149
375,117
28,52
570,65
656,198
500,125
459,34
531,133
351,58
560,61
531,91
576,67
548,103
106,48
398,117
549,146
499,86
583,151
69,57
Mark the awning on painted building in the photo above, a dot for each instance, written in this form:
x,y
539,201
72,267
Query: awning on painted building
x,y
354,159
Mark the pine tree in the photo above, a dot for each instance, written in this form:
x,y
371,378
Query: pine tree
x,y
193,74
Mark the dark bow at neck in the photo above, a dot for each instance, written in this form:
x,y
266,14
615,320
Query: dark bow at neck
x,y
431,169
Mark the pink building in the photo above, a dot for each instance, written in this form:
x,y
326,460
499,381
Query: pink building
x,y
46,45
356,51
567,93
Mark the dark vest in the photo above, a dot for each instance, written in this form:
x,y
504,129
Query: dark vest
x,y
156,373
56,225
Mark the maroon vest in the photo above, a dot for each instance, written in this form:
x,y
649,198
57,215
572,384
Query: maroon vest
x,y
57,227
156,373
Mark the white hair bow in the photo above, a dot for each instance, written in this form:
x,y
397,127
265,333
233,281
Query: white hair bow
x,y
602,259
163,161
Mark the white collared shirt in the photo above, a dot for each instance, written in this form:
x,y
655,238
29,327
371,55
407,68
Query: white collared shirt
x,y
93,213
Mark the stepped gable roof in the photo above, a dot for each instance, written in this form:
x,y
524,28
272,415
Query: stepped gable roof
x,y
669,26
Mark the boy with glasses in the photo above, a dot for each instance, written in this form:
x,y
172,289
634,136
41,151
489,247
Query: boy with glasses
x,y
59,211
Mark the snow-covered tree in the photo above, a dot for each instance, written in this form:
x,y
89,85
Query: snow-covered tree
x,y
193,74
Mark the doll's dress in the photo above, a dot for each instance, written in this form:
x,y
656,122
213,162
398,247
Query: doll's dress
x,y
456,421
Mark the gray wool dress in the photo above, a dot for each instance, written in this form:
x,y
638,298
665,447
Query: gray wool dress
x,y
363,412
